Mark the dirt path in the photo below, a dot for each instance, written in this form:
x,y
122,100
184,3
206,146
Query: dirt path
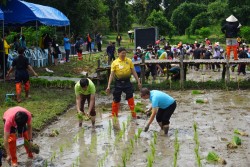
x,y
105,146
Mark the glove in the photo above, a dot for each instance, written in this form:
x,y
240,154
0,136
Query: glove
x,y
146,128
148,113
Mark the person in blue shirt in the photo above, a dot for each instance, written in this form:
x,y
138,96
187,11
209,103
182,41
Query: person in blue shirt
x,y
137,68
162,106
66,43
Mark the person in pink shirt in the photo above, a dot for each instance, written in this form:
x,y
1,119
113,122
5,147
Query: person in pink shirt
x,y
17,128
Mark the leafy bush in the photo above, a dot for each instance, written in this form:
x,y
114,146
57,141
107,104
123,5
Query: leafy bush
x,y
245,32
203,32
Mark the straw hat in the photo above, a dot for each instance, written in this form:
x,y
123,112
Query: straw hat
x,y
239,25
130,31
231,19
139,48
217,43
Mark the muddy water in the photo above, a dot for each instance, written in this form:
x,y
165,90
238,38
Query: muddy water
x,y
110,140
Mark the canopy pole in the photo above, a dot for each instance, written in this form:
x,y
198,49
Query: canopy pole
x,y
36,35
4,68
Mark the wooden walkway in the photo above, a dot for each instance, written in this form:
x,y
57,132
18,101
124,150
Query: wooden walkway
x,y
183,65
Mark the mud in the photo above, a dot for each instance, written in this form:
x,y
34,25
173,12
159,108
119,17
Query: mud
x,y
216,121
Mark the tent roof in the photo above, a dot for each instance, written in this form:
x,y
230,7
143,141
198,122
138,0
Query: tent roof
x,y
21,12
1,15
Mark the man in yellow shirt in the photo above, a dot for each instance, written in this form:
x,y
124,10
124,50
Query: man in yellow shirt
x,y
121,70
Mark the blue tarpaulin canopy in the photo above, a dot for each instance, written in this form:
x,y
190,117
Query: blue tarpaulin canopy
x,y
1,15
20,12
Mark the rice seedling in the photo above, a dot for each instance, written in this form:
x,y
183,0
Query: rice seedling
x,y
93,143
152,146
177,147
45,163
128,119
195,126
132,143
109,128
61,149
234,143
53,156
197,145
124,158
155,137
213,157
236,131
150,160
136,137
123,127
139,132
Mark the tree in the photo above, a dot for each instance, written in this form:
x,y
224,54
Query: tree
x,y
199,21
183,15
157,19
139,8
217,10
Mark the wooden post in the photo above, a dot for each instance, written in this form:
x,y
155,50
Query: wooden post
x,y
181,70
227,71
143,70
98,72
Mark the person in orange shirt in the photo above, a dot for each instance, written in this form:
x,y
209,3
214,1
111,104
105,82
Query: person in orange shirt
x,y
17,128
88,40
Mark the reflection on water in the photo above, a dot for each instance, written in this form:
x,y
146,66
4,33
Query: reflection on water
x,y
104,145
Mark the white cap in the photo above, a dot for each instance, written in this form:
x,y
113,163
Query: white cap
x,y
231,19
244,44
217,43
138,47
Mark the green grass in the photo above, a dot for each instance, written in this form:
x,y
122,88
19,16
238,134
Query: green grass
x,y
45,104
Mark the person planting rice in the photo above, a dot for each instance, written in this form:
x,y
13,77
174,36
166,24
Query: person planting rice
x,y
85,90
166,106
121,70
21,75
17,129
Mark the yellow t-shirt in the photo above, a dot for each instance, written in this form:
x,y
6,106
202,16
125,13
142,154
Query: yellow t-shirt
x,y
122,69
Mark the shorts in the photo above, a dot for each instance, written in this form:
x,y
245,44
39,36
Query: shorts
x,y
163,115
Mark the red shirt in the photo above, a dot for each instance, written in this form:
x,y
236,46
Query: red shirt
x,y
9,117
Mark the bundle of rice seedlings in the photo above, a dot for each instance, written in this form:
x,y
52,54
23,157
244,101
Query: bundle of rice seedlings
x,y
236,131
138,107
213,157
201,101
103,93
234,143
195,92
32,147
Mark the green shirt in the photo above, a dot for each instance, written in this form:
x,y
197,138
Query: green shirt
x,y
90,89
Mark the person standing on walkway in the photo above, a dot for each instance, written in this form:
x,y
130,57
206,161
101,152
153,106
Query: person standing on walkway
x,y
66,43
85,90
21,63
4,57
121,70
231,29
166,106
17,128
